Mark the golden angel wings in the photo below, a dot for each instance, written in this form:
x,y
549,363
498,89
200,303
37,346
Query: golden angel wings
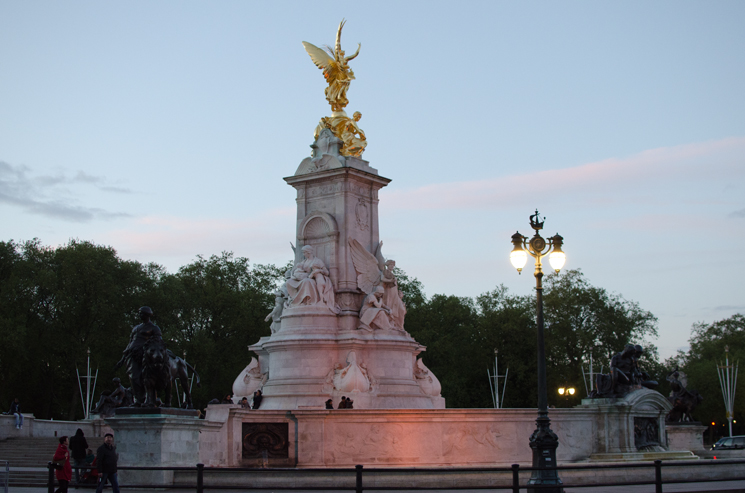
x,y
335,69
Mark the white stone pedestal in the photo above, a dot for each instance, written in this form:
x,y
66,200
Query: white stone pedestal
x,y
320,350
155,437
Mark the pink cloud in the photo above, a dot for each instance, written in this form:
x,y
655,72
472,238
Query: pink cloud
x,y
665,167
166,236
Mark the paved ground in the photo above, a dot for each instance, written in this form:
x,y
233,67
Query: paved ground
x,y
723,486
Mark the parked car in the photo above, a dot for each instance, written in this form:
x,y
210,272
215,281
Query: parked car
x,y
730,443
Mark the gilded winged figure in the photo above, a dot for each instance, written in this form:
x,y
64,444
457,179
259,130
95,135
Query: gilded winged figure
x,y
335,68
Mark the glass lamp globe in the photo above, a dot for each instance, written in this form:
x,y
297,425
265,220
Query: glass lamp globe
x,y
557,260
518,258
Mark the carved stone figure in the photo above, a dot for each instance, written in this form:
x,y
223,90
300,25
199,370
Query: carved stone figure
x,y
310,283
625,375
373,271
110,400
428,382
336,70
276,314
393,298
250,380
684,401
374,314
352,377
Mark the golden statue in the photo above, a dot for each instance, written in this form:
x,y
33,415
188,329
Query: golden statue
x,y
347,130
338,75
335,69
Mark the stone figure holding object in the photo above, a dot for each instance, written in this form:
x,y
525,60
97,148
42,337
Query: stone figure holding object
x,y
310,283
374,314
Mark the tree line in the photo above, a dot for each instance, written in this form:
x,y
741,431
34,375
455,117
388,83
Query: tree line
x,y
56,303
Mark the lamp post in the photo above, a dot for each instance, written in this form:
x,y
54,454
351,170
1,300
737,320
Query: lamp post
x,y
567,392
543,441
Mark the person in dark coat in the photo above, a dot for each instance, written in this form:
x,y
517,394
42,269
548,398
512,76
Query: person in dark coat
x,y
257,399
106,459
349,404
329,404
64,470
78,446
342,403
15,410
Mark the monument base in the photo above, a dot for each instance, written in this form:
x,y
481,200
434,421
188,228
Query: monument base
x,y
387,437
155,437
686,436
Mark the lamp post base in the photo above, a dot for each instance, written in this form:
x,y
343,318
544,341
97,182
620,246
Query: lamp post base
x,y
544,442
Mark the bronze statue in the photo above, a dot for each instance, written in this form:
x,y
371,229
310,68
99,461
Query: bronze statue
x,y
684,401
156,373
151,367
109,401
625,375
178,368
133,353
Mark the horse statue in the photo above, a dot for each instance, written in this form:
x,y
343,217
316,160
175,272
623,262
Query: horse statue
x,y
178,368
160,368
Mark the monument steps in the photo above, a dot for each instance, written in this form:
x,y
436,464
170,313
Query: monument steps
x,y
27,458
642,456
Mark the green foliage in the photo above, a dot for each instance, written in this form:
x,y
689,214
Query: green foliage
x,y
55,303
212,310
707,350
461,335
583,319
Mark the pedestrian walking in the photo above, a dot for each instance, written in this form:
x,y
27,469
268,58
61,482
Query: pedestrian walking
x,y
78,446
106,459
61,460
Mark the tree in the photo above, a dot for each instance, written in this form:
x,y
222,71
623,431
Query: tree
x,y
707,350
213,309
582,319
54,305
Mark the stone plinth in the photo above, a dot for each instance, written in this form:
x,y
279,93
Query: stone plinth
x,y
155,437
632,428
686,436
395,437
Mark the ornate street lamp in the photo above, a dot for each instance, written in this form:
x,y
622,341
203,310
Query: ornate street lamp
x,y
543,441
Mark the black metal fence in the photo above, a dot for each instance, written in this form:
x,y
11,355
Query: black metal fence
x,y
510,479
5,475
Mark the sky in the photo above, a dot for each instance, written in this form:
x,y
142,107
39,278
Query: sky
x,y
164,129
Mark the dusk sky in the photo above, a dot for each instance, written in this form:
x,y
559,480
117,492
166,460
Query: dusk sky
x,y
164,129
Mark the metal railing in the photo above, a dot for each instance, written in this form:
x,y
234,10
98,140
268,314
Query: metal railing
x,y
355,478
6,475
